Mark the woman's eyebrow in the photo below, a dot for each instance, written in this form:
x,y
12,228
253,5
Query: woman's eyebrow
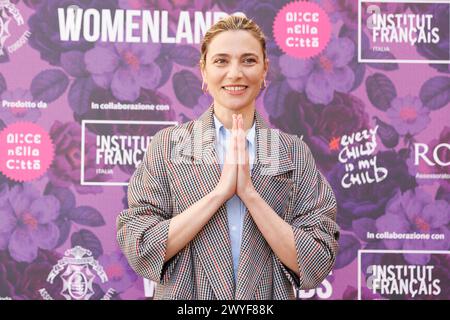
x,y
226,55
250,54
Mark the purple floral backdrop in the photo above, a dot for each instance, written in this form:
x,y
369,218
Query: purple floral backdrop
x,y
322,99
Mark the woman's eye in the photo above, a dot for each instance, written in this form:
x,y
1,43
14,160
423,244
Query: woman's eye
x,y
250,60
219,61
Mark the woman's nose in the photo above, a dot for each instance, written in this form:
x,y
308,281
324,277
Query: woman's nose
x,y
235,70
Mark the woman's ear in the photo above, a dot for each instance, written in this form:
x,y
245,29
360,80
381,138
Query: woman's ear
x,y
202,71
266,67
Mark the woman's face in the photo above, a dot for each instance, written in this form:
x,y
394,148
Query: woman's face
x,y
234,69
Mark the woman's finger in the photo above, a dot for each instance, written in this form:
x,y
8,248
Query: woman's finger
x,y
241,141
233,142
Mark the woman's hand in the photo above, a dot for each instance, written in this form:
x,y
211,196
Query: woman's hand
x,y
226,187
235,177
244,185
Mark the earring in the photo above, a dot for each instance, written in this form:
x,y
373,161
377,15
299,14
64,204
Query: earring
x,y
263,84
204,87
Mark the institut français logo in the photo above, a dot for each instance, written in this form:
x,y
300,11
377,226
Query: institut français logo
x,y
385,27
10,16
77,271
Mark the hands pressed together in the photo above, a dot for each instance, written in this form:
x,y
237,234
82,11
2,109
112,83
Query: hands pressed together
x,y
235,178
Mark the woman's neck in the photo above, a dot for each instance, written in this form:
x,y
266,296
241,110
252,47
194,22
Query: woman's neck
x,y
225,116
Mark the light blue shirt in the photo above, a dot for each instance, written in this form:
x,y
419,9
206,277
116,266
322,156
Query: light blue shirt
x,y
235,207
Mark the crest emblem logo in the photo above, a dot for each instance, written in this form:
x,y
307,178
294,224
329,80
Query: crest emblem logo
x,y
9,13
77,276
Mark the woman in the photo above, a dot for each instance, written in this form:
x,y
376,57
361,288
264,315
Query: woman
x,y
225,207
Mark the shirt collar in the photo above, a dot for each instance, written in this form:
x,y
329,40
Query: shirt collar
x,y
250,133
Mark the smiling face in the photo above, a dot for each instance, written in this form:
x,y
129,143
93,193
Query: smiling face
x,y
234,70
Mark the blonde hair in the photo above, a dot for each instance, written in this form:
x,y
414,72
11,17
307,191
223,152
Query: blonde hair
x,y
232,23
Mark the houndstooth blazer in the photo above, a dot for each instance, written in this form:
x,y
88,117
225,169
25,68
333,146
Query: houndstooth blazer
x,y
163,186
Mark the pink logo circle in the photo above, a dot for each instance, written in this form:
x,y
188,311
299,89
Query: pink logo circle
x,y
26,151
302,29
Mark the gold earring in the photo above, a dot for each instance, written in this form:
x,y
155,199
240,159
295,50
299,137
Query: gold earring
x,y
204,87
263,84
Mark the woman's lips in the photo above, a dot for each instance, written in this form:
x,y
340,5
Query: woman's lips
x,y
235,90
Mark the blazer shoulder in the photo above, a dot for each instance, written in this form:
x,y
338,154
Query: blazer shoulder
x,y
165,137
291,142
164,142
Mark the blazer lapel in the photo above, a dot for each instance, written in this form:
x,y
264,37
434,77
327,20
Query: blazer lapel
x,y
271,160
212,244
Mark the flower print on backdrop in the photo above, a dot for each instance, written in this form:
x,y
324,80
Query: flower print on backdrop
x,y
203,103
3,184
320,124
72,214
33,4
440,50
415,211
45,33
144,68
120,275
28,222
369,200
348,9
7,223
125,68
3,85
6,287
321,76
22,281
408,115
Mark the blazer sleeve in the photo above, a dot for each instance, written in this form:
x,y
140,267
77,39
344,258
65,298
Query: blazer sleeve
x,y
313,221
142,229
